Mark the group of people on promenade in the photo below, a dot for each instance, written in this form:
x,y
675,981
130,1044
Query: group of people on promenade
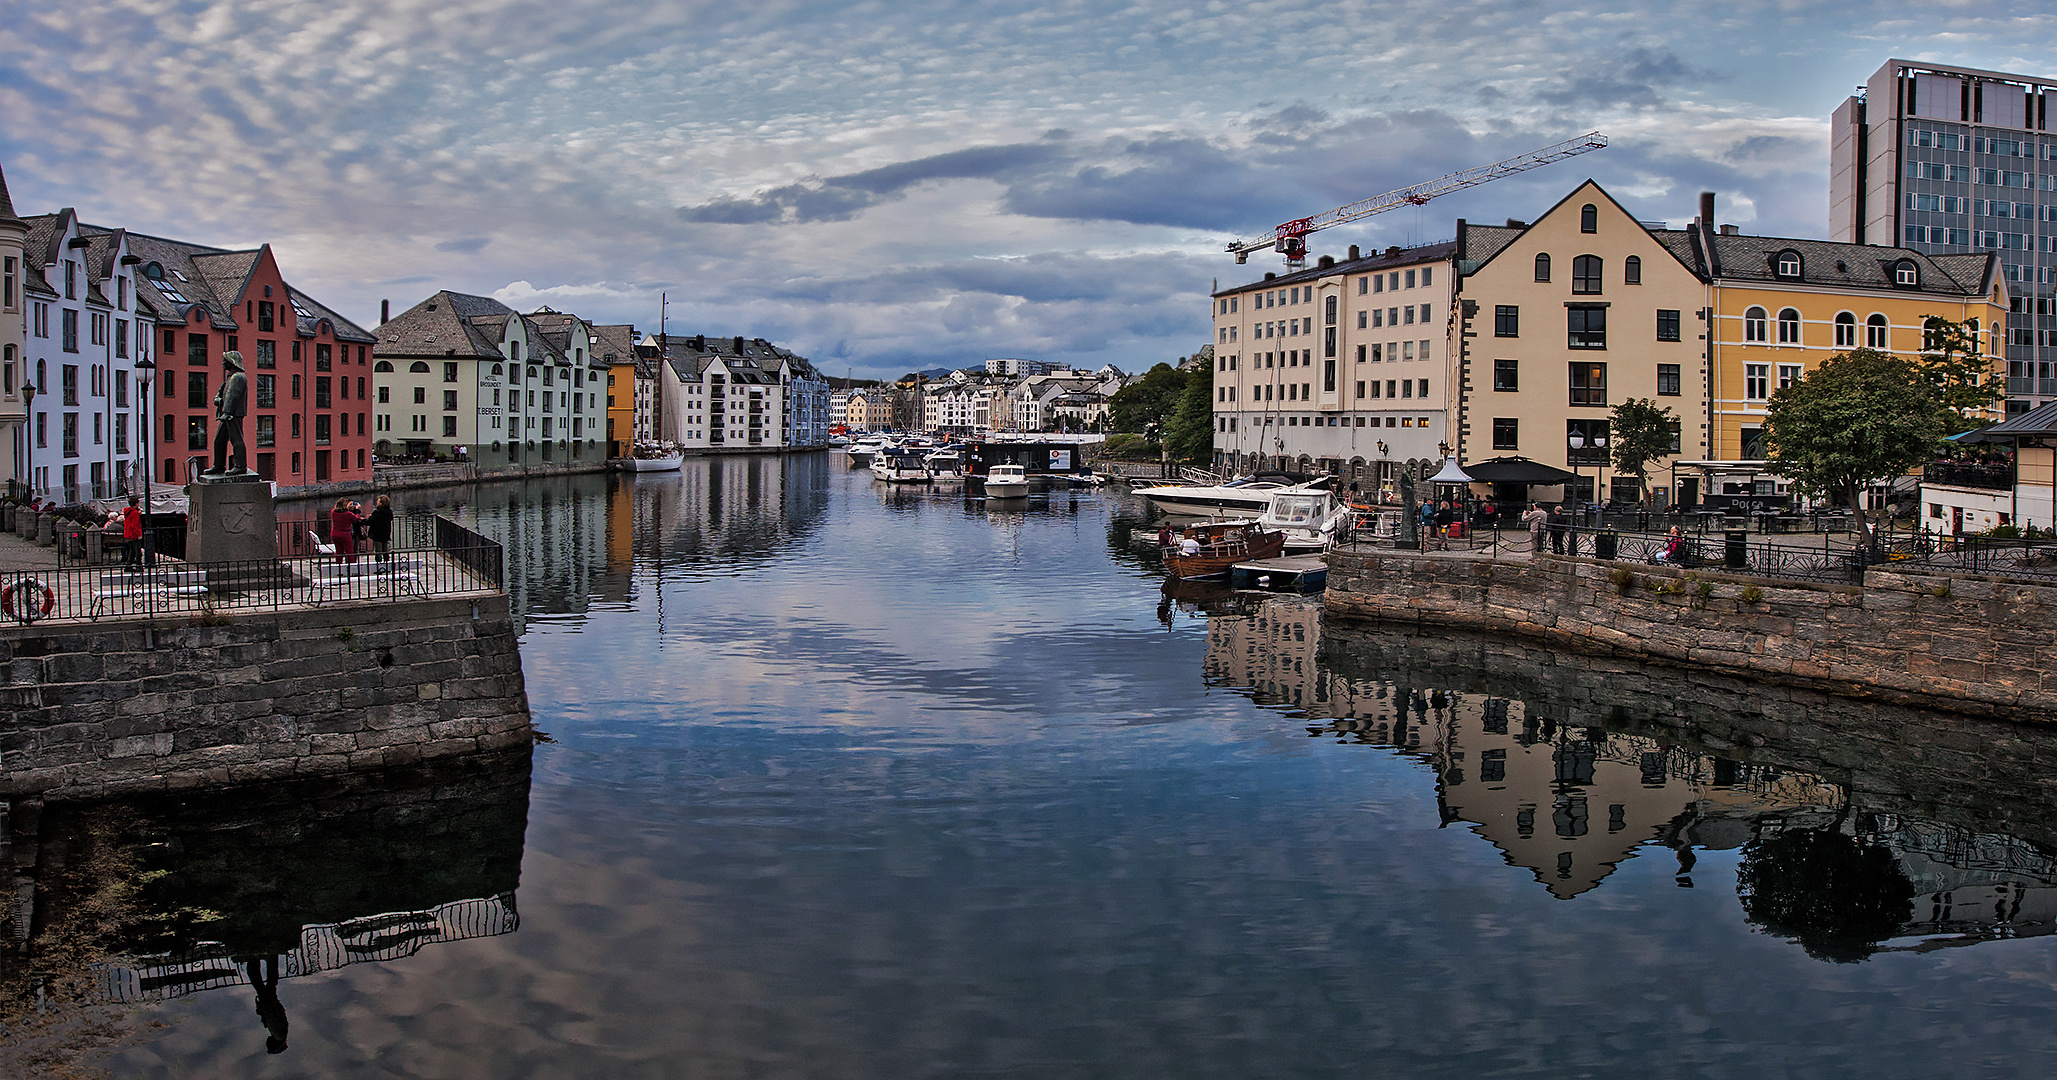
x,y
1557,522
348,523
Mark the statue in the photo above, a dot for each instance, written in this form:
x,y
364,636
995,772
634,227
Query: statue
x,y
231,402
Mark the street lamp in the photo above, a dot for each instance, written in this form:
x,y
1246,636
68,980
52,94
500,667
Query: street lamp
x,y
1577,441
28,436
146,367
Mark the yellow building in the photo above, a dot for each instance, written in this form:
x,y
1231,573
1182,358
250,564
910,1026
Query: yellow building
x,y
1563,319
1781,306
616,346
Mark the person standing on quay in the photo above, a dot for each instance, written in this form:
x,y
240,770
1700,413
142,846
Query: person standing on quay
x,y
1560,522
132,535
343,531
1534,517
379,527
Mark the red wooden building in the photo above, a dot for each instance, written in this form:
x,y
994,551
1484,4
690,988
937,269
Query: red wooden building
x,y
309,369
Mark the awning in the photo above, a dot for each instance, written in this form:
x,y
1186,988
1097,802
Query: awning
x,y
1452,473
1516,470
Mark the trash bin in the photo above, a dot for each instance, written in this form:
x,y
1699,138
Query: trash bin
x,y
1606,544
1737,551
1456,530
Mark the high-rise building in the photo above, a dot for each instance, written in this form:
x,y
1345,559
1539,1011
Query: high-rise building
x,y
1949,160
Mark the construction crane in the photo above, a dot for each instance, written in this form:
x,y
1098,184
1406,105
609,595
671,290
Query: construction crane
x,y
1291,237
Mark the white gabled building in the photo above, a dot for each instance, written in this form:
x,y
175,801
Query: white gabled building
x,y
737,395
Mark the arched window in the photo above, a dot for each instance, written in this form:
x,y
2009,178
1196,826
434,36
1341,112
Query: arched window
x,y
419,367
1753,325
1589,218
534,371
496,369
1585,274
1846,330
1905,273
383,366
1542,268
1632,270
1789,264
42,377
1788,327
1875,332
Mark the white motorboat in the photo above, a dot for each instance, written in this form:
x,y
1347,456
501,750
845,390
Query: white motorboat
x,y
862,450
1007,482
1246,497
1307,516
896,466
649,459
944,465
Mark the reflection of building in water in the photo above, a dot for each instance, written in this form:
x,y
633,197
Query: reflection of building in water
x,y
267,883
1570,765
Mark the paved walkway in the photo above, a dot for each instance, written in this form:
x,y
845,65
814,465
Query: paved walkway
x,y
17,554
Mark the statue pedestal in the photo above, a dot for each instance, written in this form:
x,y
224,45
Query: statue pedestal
x,y
230,521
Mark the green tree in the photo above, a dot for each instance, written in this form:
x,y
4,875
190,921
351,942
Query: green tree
x,y
1149,400
1190,430
1861,417
1961,376
1643,431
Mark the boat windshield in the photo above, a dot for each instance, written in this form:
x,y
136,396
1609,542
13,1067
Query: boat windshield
x,y
1295,509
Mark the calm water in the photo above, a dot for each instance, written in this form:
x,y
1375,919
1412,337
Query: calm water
x,y
849,782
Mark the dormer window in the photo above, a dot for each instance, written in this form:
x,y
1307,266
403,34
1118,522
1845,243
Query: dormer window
x,y
1589,218
1789,264
1904,273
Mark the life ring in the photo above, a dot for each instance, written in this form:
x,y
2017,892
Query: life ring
x,y
26,589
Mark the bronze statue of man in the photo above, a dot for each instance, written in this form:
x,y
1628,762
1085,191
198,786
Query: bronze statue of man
x,y
231,402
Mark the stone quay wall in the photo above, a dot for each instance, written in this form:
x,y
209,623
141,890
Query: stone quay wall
x,y
1948,641
153,705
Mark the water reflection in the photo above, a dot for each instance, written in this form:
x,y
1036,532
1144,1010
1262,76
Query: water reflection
x,y
209,892
1857,823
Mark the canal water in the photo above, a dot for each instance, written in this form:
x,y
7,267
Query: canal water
x,y
845,781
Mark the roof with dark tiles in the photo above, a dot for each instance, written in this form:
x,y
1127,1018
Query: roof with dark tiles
x,y
446,324
6,201
1830,264
1378,260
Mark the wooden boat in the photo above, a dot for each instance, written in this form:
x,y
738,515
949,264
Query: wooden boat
x,y
1220,545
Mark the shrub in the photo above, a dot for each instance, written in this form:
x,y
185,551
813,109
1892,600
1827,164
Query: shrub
x,y
1751,594
1623,579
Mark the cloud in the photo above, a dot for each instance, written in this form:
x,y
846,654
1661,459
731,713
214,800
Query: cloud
x,y
466,246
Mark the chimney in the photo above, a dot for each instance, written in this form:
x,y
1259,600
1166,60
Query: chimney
x,y
1730,230
699,342
1325,262
385,312
739,344
1516,223
1706,209
1354,253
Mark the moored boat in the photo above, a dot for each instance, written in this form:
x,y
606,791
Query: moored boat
x,y
1307,517
944,465
650,459
899,467
1246,497
1006,482
1210,548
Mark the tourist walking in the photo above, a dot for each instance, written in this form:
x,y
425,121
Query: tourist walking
x,y
379,528
343,531
1560,523
1534,517
132,535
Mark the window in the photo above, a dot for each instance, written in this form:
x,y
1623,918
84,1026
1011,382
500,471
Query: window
x,y
70,384
7,272
449,427
1542,268
321,392
196,389
1632,270
296,388
321,429
1904,273
267,391
1506,320
267,431
1667,380
1587,326
1754,325
1789,264
1667,324
1585,275
71,330
1788,327
1507,375
449,401
1506,433
196,350
1589,218
1588,384
1788,374
196,432
265,322
421,395
322,357
449,371
1875,332
1846,330
1756,381
386,394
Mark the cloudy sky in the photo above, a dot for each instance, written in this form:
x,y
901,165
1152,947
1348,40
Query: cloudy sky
x,y
892,186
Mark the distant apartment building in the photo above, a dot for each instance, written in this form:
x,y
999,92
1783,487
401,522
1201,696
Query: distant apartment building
x,y
869,408
1947,160
615,346
1342,367
1016,368
14,233
738,394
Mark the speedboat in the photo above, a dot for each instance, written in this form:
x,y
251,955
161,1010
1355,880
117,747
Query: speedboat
x,y
944,465
897,466
1007,482
1307,517
862,450
1244,498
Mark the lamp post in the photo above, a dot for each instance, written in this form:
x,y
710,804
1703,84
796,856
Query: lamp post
x,y
28,436
1577,441
145,368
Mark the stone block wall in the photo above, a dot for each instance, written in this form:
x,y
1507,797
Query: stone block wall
x,y
1968,644
151,705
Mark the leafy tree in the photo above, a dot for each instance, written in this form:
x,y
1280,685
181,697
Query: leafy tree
x,y
1642,432
1861,417
1962,378
1190,430
1836,895
1148,400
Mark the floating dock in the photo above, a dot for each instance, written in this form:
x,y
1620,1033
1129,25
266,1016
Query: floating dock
x,y
1290,573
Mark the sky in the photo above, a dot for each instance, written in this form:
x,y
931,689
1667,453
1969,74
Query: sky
x,y
890,187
